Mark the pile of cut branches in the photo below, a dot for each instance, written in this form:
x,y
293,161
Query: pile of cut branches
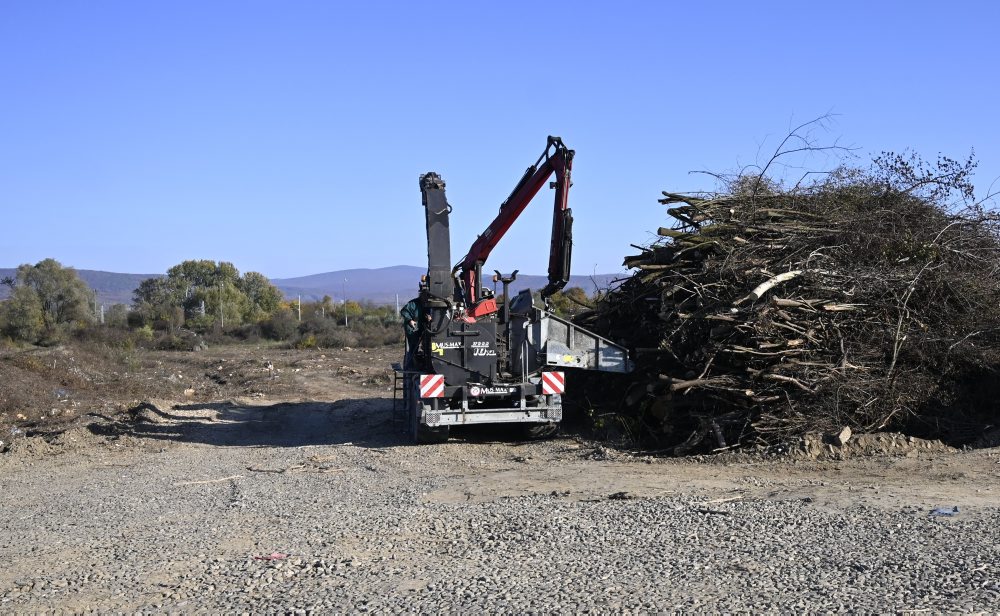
x,y
870,299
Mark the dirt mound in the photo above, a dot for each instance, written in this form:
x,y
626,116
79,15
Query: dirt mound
x,y
48,394
821,447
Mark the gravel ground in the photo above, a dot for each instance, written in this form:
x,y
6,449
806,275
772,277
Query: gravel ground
x,y
318,507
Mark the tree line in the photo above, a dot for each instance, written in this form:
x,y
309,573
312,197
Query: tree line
x,y
48,303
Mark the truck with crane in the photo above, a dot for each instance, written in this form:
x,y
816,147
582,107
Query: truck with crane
x,y
479,361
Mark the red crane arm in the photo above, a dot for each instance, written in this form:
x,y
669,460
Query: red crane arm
x,y
558,159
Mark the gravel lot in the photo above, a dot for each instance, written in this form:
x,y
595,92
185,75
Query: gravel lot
x,y
305,506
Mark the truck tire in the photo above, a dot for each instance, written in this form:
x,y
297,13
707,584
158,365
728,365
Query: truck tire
x,y
426,435
539,431
420,433
423,434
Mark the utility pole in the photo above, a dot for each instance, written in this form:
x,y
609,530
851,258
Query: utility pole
x,y
345,302
102,314
300,308
222,313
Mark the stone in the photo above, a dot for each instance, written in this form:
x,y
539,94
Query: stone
x,y
843,436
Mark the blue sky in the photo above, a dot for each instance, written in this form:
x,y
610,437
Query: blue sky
x,y
287,137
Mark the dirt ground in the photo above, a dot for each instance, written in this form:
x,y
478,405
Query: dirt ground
x,y
47,390
290,386
241,419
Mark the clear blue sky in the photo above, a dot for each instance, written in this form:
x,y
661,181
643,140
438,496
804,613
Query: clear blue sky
x,y
287,137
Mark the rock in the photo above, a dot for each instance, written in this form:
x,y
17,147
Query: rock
x,y
620,496
189,392
844,436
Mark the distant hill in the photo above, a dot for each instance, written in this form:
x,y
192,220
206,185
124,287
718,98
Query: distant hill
x,y
383,284
380,286
111,287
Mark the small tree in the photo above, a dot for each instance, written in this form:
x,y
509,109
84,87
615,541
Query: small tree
x,y
63,296
117,316
21,315
263,298
45,298
156,300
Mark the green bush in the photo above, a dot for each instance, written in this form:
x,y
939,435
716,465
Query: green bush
x,y
249,332
111,337
167,341
21,315
324,333
200,322
376,334
281,326
308,341
144,334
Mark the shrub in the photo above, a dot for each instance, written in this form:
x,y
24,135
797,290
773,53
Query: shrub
x,y
307,341
250,332
21,316
377,334
144,334
281,326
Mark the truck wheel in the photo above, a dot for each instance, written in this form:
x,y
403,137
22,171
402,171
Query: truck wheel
x,y
423,434
537,432
426,435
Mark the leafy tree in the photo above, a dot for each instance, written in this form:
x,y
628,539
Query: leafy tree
x,y
21,315
569,302
64,297
201,273
353,309
208,293
45,298
156,300
117,315
263,298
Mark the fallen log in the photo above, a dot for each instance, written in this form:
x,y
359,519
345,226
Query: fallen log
x,y
763,288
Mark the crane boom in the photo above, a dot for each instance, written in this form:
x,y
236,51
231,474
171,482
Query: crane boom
x,y
557,159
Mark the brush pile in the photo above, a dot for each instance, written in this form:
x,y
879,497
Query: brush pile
x,y
868,300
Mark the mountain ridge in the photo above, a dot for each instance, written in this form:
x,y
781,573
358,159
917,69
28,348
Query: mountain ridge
x,y
382,285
